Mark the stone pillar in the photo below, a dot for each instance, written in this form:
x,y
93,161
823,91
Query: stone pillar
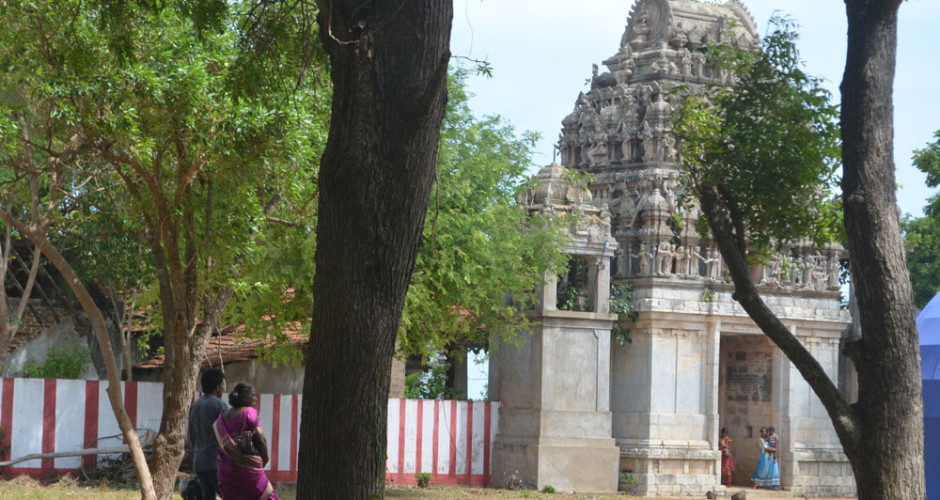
x,y
592,281
602,285
554,419
663,398
554,388
396,385
549,295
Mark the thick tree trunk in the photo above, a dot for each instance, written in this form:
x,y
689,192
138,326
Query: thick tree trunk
x,y
389,68
185,346
889,463
104,343
178,390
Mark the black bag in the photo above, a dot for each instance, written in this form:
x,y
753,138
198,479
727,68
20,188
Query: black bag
x,y
192,491
244,441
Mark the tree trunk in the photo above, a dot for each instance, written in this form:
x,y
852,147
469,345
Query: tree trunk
x,y
104,343
186,346
889,463
179,388
389,69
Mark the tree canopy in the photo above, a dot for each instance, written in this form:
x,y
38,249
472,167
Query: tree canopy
x,y
922,234
766,147
479,248
172,167
776,119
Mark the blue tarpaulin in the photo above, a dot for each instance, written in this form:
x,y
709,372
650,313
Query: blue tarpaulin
x,y
928,323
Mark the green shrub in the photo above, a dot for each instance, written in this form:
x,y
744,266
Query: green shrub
x,y
423,478
63,362
548,489
429,385
621,304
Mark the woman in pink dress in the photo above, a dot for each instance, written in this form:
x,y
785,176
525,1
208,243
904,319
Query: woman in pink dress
x,y
243,450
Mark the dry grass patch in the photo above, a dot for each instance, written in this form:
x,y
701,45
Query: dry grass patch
x,y
63,488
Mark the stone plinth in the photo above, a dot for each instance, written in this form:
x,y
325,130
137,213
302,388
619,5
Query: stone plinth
x,y
555,420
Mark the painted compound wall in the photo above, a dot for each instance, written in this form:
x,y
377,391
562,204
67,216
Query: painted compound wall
x,y
450,439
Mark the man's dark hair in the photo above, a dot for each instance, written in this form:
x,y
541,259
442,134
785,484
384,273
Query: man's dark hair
x,y
211,380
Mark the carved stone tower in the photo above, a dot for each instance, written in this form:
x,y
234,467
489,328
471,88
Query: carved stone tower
x,y
696,362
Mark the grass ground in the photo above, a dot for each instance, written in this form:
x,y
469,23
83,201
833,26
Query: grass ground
x,y
68,488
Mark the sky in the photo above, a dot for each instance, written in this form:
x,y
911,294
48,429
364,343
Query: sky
x,y
542,51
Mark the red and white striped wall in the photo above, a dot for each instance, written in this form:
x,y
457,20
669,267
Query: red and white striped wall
x,y
450,439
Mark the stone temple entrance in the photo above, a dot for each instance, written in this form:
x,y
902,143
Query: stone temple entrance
x,y
747,397
696,362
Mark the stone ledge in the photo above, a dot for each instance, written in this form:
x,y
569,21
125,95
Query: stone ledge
x,y
667,452
820,455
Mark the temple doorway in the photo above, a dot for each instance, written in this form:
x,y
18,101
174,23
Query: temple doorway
x,y
746,397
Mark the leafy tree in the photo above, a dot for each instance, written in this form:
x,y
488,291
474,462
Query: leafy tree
x,y
478,245
775,123
204,172
38,149
191,171
922,234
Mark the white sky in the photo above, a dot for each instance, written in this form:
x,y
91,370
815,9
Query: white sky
x,y
542,51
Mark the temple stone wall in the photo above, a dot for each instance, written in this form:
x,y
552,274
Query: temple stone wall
x,y
695,365
665,434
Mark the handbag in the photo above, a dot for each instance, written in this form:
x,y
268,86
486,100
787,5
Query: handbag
x,y
244,441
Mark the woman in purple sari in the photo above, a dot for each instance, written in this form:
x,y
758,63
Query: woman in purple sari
x,y
243,450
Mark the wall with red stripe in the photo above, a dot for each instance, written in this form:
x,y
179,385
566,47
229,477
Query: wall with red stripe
x,y
450,439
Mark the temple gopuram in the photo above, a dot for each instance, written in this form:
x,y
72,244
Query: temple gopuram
x,y
646,418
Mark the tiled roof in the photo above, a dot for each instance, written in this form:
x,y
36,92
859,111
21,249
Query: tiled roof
x,y
231,346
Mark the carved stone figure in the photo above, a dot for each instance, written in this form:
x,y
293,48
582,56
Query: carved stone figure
x,y
713,264
834,272
598,152
669,191
649,144
795,272
698,64
646,258
658,113
685,62
605,219
619,255
665,253
682,261
669,147
640,31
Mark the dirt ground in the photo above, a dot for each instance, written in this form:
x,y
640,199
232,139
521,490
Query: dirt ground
x,y
439,492
68,488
